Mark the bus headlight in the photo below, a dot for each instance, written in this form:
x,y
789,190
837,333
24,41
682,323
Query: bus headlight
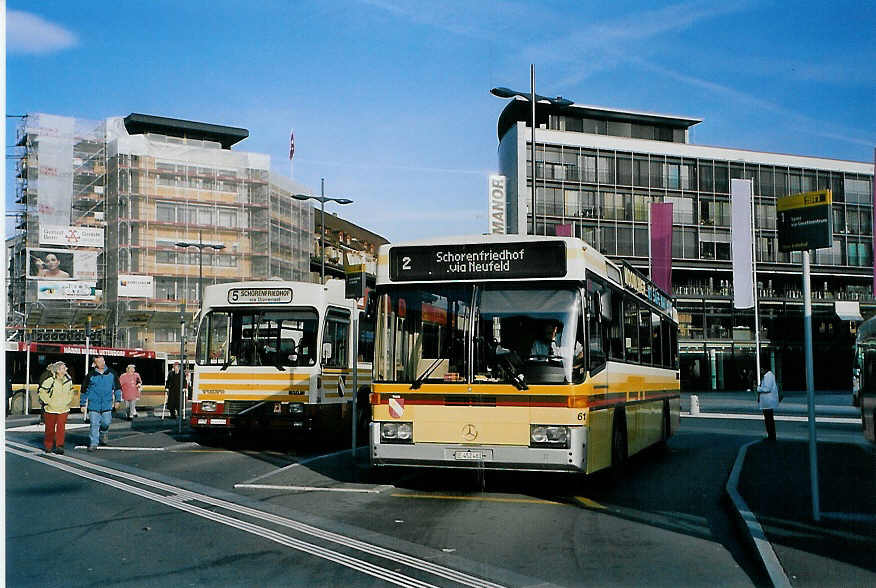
x,y
396,432
549,436
296,408
208,406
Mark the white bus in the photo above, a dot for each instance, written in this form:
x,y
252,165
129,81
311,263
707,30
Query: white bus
x,y
527,353
279,355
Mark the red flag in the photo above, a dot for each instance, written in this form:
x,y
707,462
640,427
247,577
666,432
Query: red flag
x,y
291,144
661,245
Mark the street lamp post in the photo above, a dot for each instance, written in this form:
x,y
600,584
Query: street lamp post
x,y
322,199
533,98
201,246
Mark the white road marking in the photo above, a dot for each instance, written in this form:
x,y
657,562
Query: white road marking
x,y
759,417
42,428
307,488
181,495
118,448
294,465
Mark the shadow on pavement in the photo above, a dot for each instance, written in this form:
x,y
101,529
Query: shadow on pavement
x,y
775,484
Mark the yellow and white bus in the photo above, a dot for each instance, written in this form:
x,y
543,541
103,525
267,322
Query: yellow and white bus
x,y
519,352
279,355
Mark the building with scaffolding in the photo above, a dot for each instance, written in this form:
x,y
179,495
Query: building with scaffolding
x,y
101,210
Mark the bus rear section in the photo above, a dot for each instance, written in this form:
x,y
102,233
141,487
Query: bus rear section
x,y
275,356
517,373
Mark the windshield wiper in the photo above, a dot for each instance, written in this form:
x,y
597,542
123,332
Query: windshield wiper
x,y
419,381
514,375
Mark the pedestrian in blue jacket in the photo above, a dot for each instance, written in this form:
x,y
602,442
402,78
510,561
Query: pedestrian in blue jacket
x,y
102,392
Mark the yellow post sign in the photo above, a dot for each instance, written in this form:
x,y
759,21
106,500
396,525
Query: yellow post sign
x,y
804,221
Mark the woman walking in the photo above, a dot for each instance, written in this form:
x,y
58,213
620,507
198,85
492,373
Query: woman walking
x,y
132,385
56,394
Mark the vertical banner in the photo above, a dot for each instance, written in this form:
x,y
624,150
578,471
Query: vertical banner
x,y
55,159
497,205
661,245
740,243
563,230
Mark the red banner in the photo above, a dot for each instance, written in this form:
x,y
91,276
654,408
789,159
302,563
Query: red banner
x,y
661,245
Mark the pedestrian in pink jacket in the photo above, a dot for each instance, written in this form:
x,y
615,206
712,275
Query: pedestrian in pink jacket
x,y
132,386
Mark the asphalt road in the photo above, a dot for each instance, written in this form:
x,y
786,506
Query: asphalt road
x,y
174,512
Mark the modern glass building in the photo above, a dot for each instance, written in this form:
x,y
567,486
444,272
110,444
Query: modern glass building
x,y
597,170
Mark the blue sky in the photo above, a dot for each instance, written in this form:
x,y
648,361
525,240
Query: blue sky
x,y
390,99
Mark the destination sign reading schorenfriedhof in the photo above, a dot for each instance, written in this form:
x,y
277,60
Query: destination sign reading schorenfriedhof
x,y
546,259
804,221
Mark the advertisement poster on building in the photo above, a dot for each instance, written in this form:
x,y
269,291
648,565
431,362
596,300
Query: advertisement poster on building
x,y
136,286
68,291
71,236
61,264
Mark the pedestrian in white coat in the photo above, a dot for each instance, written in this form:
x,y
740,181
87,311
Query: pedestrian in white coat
x,y
768,400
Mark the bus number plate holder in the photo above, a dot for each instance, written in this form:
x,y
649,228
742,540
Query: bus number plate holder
x,y
471,454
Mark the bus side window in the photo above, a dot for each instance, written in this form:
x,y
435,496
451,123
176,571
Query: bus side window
x,y
337,328
595,334
631,329
613,327
579,364
366,336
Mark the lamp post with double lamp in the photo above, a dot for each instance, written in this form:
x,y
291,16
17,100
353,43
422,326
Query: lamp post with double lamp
x,y
533,98
322,198
201,246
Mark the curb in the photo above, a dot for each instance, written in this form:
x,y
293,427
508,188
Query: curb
x,y
751,527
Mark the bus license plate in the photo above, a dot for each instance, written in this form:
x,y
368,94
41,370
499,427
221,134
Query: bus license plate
x,y
473,455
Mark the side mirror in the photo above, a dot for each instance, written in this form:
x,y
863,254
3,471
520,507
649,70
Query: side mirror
x,y
326,351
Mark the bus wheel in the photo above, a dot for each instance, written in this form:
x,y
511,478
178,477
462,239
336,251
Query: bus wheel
x,y
619,443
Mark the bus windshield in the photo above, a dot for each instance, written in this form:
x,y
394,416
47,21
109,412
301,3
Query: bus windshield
x,y
257,337
518,335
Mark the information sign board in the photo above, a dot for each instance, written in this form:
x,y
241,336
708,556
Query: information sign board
x,y
542,259
804,221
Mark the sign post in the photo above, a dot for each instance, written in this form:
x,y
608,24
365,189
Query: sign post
x,y
804,223
355,289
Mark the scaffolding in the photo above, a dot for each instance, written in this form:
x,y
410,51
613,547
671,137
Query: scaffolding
x,y
149,186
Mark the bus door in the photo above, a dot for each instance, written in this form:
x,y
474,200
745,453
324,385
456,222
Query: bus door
x,y
337,375
598,312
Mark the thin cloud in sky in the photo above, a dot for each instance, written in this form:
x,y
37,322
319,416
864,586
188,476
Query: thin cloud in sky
x,y
372,166
806,123
476,20
603,45
30,33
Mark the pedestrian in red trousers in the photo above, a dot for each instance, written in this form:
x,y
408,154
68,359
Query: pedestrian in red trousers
x,y
56,394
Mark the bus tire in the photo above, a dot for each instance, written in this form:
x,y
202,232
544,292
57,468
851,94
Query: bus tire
x,y
618,442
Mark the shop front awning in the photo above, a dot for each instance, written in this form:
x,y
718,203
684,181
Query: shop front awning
x,y
848,310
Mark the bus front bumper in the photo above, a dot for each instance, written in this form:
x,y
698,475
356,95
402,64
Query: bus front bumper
x,y
498,457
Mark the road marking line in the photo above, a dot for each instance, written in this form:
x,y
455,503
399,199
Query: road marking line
x,y
296,464
117,448
590,503
759,417
395,556
306,488
477,498
42,428
178,502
